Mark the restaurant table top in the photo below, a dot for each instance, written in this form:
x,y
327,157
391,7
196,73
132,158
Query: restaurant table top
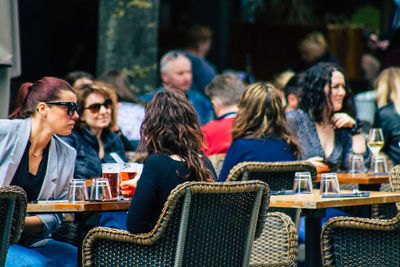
x,y
84,206
360,178
315,201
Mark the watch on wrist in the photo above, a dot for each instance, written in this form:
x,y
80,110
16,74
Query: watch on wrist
x,y
357,127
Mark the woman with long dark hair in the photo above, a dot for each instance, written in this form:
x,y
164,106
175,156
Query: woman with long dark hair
x,y
327,132
172,136
259,130
33,157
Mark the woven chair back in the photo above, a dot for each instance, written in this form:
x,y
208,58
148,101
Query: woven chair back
x,y
388,210
278,175
202,224
13,205
277,244
349,241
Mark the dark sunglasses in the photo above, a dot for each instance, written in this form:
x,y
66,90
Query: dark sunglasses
x,y
97,106
72,106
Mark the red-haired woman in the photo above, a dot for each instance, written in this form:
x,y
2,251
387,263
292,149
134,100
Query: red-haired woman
x,y
171,134
34,158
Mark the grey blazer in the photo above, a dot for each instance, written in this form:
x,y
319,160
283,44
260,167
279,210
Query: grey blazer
x,y
14,137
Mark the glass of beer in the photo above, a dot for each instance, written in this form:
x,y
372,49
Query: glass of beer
x,y
128,172
111,172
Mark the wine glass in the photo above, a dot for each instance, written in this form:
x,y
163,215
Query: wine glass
x,y
375,140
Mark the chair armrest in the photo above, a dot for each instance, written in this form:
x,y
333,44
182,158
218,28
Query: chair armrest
x,y
101,243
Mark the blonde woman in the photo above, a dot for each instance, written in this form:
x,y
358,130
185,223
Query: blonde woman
x,y
259,131
387,89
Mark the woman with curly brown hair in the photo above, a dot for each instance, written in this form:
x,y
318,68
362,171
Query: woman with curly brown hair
x,y
259,131
172,136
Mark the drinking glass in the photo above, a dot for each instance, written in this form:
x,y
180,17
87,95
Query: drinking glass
x,y
100,189
329,184
128,172
111,171
356,163
77,190
379,165
375,140
302,183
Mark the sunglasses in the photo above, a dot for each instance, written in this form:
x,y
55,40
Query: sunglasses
x,y
95,108
72,106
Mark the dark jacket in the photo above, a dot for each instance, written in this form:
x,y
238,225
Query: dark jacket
x,y
88,163
388,119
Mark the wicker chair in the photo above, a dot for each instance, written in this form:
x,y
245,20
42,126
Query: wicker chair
x,y
13,206
217,161
278,175
352,241
277,244
389,210
202,224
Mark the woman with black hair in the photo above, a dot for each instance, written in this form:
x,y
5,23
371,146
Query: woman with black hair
x,y
327,132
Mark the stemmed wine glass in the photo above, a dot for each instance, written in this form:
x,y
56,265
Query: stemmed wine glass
x,y
375,140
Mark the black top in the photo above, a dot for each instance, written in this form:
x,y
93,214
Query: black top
x,y
388,119
159,177
32,184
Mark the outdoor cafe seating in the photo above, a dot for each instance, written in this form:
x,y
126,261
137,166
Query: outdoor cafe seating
x,y
13,204
202,224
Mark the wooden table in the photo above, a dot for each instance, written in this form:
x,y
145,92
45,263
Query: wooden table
x,y
314,208
82,211
85,206
360,178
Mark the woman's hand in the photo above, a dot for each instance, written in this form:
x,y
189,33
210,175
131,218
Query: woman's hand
x,y
131,182
317,162
341,120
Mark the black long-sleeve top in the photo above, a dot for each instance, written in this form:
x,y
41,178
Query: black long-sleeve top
x,y
158,178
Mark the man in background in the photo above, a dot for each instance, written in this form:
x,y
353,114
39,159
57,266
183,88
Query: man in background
x,y
225,92
176,74
198,45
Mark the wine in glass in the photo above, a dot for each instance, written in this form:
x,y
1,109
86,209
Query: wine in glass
x,y
375,140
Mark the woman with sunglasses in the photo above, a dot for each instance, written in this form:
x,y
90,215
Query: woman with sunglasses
x,y
33,157
94,141
92,138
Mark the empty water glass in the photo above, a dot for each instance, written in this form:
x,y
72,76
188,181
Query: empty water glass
x,y
100,189
329,184
379,165
302,183
77,190
356,163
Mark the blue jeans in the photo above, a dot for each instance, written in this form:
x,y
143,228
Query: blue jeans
x,y
54,253
114,219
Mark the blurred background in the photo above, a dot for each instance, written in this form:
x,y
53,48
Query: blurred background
x,y
256,36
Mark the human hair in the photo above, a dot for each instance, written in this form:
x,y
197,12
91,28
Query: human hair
x,y
166,60
171,127
281,79
316,38
261,115
121,83
294,85
73,76
387,87
196,35
226,89
98,87
31,94
314,99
